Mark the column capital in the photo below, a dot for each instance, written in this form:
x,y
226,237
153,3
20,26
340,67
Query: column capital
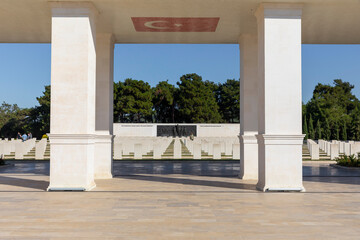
x,y
73,9
279,10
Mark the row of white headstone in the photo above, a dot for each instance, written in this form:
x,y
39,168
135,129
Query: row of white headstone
x,y
142,146
332,148
229,146
21,148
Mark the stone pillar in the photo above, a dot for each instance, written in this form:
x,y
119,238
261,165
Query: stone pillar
x,y
280,135
248,107
73,79
103,162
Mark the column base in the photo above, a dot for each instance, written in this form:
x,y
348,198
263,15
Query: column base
x,y
248,157
103,162
73,188
269,189
71,162
280,163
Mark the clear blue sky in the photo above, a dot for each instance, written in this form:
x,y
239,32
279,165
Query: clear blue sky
x,y
25,68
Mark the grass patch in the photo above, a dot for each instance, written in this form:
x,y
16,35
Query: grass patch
x,y
349,161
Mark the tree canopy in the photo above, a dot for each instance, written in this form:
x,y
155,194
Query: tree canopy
x,y
196,100
164,95
335,109
35,120
132,101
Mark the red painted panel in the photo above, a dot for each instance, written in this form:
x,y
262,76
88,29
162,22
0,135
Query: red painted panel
x,y
174,24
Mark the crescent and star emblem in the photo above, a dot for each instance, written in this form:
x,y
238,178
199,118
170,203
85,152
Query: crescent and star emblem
x,y
151,24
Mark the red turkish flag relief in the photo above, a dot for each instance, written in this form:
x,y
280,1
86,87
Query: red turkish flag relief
x,y
175,24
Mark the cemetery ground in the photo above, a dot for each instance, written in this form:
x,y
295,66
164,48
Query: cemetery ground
x,y
178,200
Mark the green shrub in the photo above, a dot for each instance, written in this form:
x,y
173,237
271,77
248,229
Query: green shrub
x,y
349,161
45,136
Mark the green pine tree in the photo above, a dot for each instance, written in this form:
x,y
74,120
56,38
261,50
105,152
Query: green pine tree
x,y
327,131
305,128
344,132
311,128
318,130
355,125
337,132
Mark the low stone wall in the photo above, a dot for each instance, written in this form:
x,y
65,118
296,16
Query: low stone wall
x,y
150,129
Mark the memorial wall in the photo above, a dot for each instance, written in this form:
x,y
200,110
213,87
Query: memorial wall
x,y
174,129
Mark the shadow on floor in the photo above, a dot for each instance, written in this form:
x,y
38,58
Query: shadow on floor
x,y
329,171
220,184
23,182
334,179
38,167
223,168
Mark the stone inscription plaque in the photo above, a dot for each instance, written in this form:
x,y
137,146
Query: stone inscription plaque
x,y
176,130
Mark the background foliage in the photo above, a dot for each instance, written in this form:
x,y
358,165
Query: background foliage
x,y
332,113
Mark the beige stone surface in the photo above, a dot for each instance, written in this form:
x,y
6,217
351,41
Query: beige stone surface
x,y
324,22
179,207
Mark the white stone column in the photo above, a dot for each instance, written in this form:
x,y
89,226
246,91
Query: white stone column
x,y
73,76
248,107
280,136
103,162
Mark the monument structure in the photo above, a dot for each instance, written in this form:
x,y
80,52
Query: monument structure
x,y
270,34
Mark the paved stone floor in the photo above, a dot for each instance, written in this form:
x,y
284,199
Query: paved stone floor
x,y
179,200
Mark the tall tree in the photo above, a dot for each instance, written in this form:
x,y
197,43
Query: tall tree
x,y
197,103
355,125
334,104
311,128
132,101
318,131
40,115
12,120
164,102
305,128
327,131
344,132
228,97
337,131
